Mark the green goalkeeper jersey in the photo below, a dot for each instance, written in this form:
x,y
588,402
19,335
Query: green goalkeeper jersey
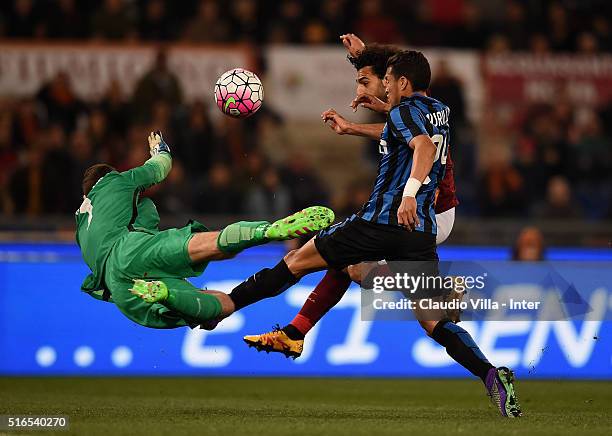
x,y
112,209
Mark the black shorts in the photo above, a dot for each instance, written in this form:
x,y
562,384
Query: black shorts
x,y
356,240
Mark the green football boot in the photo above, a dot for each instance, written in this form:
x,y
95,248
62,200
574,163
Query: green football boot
x,y
308,220
151,292
245,234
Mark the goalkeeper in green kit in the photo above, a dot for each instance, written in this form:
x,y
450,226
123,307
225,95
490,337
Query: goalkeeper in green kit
x,y
143,270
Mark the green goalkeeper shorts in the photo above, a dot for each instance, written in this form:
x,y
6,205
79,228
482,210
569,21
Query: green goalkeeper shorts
x,y
155,256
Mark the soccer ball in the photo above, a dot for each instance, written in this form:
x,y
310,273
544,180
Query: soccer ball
x,y
239,93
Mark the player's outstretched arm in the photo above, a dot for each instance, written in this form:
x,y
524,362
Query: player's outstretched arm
x,y
342,126
354,45
371,102
157,168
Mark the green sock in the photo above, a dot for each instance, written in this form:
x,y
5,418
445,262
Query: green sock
x,y
242,235
195,305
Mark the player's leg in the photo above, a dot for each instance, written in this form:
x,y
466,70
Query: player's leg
x,y
462,348
186,251
460,345
290,339
341,245
204,247
182,297
328,292
195,249
245,234
272,282
444,223
336,244
162,260
359,271
189,306
457,342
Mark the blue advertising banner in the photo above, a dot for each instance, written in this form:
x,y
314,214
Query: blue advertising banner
x,y
49,327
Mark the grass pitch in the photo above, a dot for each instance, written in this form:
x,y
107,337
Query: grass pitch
x,y
283,406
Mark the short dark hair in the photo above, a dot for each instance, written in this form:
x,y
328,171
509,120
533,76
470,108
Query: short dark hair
x,y
414,66
93,174
375,56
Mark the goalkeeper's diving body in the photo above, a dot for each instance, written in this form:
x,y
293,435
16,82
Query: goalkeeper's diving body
x,y
143,270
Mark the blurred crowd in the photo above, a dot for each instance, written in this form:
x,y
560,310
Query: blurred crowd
x,y
557,164
561,153
47,141
497,25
